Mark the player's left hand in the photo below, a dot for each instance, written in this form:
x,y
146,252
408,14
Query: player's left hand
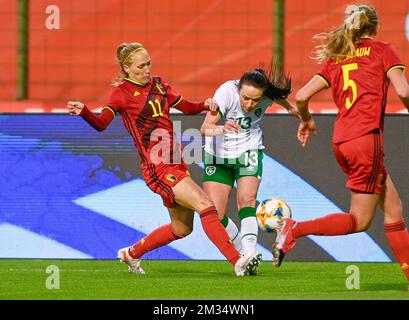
x,y
305,130
211,104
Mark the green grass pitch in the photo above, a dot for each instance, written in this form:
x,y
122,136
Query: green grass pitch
x,y
197,280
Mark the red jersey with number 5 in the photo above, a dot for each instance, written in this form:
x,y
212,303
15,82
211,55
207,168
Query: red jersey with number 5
x,y
359,88
145,114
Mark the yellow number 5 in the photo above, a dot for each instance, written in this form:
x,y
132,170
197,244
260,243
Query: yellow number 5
x,y
349,83
155,112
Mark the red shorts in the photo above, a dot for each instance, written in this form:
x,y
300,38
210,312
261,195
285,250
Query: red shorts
x,y
362,161
162,178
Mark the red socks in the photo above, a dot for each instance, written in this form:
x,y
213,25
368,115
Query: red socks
x,y
217,234
330,225
157,238
211,226
345,223
398,238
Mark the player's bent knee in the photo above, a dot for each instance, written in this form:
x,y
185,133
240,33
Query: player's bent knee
x,y
182,231
363,225
186,232
203,203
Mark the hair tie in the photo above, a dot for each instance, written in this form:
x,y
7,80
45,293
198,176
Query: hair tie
x,y
132,52
353,20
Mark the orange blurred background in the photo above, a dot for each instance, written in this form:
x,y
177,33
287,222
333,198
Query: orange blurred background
x,y
195,45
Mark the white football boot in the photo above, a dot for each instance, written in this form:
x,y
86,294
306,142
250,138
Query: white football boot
x,y
247,265
133,264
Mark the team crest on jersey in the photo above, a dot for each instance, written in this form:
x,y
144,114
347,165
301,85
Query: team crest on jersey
x,y
170,177
210,170
160,88
136,93
257,112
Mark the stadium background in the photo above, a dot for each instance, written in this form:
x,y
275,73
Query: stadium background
x,y
195,45
60,179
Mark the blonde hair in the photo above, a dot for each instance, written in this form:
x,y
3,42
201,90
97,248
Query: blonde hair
x,y
123,53
361,21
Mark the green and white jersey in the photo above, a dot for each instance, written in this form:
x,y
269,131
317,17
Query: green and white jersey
x,y
250,137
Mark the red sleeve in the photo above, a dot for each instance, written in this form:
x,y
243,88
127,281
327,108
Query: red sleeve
x,y
98,122
325,75
175,100
172,95
190,108
391,59
116,100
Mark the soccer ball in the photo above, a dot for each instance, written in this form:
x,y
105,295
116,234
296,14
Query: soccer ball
x,y
270,212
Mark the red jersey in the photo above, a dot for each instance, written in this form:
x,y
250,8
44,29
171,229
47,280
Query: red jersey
x,y
359,88
145,114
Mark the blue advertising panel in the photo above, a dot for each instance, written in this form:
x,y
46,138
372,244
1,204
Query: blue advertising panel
x,y
70,192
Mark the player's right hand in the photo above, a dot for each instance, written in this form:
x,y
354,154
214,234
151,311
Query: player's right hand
x,y
211,105
231,126
75,107
305,129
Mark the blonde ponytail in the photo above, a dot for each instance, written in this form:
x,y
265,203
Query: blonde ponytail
x,y
339,44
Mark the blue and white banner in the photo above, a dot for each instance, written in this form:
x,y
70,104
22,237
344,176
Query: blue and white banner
x,y
70,192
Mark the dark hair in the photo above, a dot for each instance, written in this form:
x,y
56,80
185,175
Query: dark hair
x,y
275,84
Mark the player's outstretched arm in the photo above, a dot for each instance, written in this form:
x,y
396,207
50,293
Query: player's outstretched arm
x,y
400,85
307,126
289,107
98,122
191,108
210,128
